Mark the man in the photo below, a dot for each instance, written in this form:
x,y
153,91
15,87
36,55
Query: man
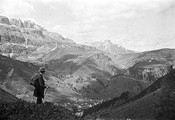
x,y
170,68
39,85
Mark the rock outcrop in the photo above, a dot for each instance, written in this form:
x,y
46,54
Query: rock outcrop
x,y
151,65
26,24
30,24
149,73
11,34
4,20
17,22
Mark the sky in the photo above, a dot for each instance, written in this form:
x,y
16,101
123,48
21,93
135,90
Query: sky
x,y
139,25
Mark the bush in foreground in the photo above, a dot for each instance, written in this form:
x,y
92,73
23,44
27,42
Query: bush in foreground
x,y
22,110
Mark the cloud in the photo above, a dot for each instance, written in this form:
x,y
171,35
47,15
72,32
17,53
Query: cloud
x,y
16,8
80,32
47,1
84,10
117,8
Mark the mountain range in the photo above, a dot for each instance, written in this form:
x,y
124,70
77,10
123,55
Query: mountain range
x,y
76,74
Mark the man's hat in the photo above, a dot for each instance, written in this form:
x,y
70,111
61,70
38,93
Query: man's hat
x,y
42,69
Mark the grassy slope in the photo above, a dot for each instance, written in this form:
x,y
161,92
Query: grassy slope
x,y
151,102
120,84
148,104
12,108
6,97
143,108
21,110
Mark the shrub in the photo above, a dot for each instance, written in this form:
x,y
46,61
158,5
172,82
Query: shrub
x,y
22,110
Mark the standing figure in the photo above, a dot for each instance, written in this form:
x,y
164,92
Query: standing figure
x,y
39,84
170,68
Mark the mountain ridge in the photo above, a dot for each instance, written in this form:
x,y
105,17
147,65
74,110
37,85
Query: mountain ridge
x,y
108,46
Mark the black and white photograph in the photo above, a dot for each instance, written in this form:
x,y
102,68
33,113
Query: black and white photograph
x,y
87,59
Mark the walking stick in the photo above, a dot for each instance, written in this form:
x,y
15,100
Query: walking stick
x,y
46,91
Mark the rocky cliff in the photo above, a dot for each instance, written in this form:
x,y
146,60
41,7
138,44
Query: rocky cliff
x,y
17,36
149,66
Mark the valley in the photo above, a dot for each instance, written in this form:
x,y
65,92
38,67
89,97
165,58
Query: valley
x,y
83,76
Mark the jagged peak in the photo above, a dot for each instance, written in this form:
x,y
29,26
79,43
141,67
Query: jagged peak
x,y
17,22
31,24
110,47
21,23
4,20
